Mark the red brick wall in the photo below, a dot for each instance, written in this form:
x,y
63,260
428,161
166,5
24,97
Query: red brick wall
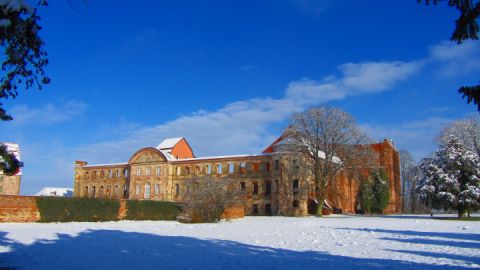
x,y
18,209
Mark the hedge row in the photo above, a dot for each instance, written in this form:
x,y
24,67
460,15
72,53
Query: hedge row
x,y
58,209
151,210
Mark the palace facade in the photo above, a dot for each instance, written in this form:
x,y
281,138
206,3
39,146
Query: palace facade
x,y
271,188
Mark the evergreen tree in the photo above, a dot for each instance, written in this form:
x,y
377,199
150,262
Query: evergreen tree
x,y
366,196
380,191
452,178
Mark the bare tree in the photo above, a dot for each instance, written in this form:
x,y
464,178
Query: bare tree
x,y
330,141
467,131
407,163
207,198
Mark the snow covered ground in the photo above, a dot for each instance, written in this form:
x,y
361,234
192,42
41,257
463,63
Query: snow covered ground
x,y
336,242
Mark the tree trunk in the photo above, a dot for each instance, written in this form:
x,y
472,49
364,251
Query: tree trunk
x,y
321,201
461,212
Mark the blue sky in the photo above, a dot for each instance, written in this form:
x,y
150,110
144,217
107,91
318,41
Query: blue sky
x,y
227,74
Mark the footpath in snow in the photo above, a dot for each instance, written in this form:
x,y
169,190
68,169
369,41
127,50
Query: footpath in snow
x,y
335,242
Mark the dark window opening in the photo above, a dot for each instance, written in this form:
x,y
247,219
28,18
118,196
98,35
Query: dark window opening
x,y
255,209
268,209
268,188
255,188
296,203
277,165
242,186
296,186
177,189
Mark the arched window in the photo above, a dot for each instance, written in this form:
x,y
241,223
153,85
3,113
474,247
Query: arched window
x,y
209,169
94,175
100,192
85,193
231,168
117,173
219,168
102,174
146,193
115,192
110,173
296,186
93,192
157,171
86,176
137,190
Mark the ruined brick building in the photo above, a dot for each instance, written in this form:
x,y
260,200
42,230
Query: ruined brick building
x,y
10,184
160,173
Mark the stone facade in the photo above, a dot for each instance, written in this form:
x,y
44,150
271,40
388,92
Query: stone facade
x,y
10,185
270,187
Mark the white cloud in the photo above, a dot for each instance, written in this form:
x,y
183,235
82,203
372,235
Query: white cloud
x,y
417,136
47,114
456,59
244,126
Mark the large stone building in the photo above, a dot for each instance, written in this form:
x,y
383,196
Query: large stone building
x,y
160,173
10,185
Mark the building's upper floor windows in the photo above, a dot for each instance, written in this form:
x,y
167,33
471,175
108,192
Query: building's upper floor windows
x,y
268,188
138,171
179,170
219,168
177,189
102,174
157,171
209,169
255,188
243,166
277,164
187,170
117,174
110,173
125,173
147,171
242,186
198,169
231,168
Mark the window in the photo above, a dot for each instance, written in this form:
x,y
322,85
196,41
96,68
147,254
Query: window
x,y
146,192
255,188
157,171
125,192
198,170
85,193
115,191
157,189
117,174
209,169
110,173
179,171
138,171
94,175
242,186
102,174
93,192
100,192
255,167
295,164
268,209
125,173
277,165
255,209
187,169
295,204
219,168
231,168
296,186
86,175
268,188
177,189
147,171
108,191
137,190
242,167
267,166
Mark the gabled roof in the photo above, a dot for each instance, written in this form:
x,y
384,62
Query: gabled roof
x,y
169,143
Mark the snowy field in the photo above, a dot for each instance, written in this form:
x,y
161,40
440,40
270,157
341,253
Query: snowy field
x,y
336,242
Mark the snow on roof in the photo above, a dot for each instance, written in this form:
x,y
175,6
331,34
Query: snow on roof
x,y
169,143
168,155
222,157
55,191
105,165
14,149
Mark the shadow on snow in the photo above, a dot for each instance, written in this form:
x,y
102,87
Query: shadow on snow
x,y
112,249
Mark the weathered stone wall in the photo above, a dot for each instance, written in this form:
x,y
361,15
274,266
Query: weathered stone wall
x,y
18,209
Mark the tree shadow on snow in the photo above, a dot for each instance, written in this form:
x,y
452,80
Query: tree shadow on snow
x,y
449,235
111,249
468,259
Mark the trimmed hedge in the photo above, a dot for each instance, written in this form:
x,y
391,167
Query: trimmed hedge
x,y
58,209
151,210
